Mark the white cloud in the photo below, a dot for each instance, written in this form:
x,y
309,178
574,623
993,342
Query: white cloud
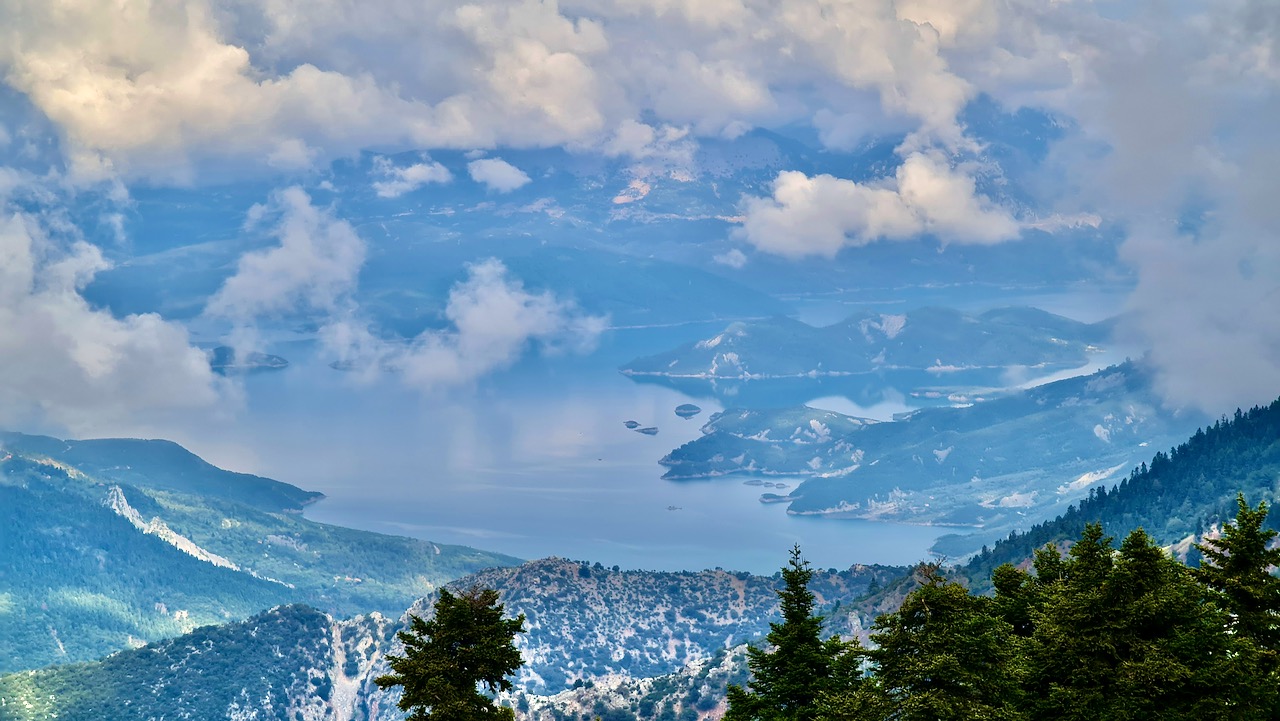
x,y
1179,108
493,319
398,181
822,214
497,174
65,362
166,90
314,268
733,258
1169,106
292,154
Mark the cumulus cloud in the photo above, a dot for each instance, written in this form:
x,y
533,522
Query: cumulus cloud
x,y
497,174
314,267
1170,112
65,362
165,90
398,181
822,214
493,320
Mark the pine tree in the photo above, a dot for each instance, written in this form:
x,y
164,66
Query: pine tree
x,y
943,655
1237,575
1128,635
788,680
466,644
1239,567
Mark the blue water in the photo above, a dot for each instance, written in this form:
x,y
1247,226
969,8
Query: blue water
x,y
533,462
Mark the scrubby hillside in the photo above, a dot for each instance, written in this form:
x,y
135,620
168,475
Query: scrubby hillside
x,y
644,643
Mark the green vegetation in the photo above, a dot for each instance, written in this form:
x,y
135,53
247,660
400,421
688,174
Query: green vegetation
x,y
788,679
941,655
92,566
266,667
1238,569
1100,633
466,644
1176,497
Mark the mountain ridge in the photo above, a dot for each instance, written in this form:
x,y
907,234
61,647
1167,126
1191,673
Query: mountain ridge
x,y
96,564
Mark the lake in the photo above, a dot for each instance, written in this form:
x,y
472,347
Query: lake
x,y
534,461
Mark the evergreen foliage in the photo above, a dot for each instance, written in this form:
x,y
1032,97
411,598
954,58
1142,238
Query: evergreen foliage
x,y
944,654
1238,569
1097,633
1126,635
466,644
788,679
1181,492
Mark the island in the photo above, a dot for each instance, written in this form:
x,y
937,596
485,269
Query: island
x,y
687,410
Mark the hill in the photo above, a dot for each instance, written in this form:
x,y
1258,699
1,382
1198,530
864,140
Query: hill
x,y
161,465
294,662
995,464
941,340
1177,497
91,564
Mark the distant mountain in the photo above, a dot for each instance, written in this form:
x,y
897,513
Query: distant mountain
x,y
162,466
997,464
585,623
943,341
643,623
110,544
663,225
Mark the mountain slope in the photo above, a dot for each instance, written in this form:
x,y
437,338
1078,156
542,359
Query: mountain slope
x,y
80,581
161,465
941,340
996,464
586,624
90,566
1177,498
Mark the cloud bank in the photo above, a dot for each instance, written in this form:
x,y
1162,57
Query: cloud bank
x,y
169,90
1171,113
68,363
314,271
315,266
493,320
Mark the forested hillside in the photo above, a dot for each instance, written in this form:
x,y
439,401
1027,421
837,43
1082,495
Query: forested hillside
x,y
1180,494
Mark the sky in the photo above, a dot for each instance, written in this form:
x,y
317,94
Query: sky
x,y
1169,110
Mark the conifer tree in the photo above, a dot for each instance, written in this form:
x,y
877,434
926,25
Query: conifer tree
x,y
788,679
943,655
1239,567
1127,635
466,644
